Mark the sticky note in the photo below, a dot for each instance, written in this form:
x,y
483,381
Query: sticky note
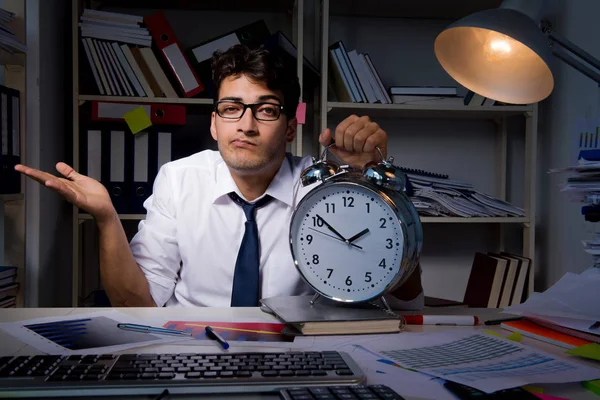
x,y
591,350
548,397
533,389
515,337
301,113
593,386
137,119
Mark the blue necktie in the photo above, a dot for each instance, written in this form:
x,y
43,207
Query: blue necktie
x,y
245,278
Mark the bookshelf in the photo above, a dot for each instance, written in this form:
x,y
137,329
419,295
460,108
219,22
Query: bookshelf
x,y
340,16
219,18
393,33
12,206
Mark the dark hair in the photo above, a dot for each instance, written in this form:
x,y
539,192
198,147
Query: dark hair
x,y
260,65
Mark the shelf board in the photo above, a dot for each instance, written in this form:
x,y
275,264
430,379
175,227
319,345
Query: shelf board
x,y
157,100
475,220
204,5
428,110
423,9
12,197
425,220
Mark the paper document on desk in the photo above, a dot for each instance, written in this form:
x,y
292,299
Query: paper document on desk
x,y
572,302
379,370
88,333
482,361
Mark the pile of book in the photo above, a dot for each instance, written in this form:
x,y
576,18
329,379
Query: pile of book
x,y
8,287
566,314
8,41
436,195
498,280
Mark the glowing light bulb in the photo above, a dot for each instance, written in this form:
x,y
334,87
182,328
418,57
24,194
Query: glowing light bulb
x,y
497,47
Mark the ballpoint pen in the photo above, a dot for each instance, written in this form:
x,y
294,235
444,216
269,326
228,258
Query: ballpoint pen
x,y
210,332
152,329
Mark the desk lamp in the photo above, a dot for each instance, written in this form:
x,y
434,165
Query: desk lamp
x,y
504,53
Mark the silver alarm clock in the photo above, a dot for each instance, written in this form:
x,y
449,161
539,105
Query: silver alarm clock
x,y
356,235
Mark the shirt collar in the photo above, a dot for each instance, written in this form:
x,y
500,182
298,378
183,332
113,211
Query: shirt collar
x,y
281,187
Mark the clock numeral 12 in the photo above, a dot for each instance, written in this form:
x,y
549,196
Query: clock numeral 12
x,y
348,201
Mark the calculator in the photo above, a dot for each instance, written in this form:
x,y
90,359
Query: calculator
x,y
356,392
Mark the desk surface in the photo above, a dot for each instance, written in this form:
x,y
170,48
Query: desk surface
x,y
10,345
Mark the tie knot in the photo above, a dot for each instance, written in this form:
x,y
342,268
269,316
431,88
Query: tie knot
x,y
249,208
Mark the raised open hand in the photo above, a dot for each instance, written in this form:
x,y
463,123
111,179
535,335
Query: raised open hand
x,y
80,190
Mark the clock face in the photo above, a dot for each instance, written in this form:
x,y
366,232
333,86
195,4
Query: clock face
x,y
347,242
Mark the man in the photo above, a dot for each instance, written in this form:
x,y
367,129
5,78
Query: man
x,y
186,250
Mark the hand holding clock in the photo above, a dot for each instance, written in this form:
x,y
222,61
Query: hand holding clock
x,y
355,140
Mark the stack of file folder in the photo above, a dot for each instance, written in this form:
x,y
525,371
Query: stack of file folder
x,y
583,186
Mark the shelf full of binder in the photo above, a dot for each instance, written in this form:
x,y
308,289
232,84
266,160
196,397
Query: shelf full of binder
x,y
140,57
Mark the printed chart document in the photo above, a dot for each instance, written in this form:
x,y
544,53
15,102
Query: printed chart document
x,y
479,360
88,333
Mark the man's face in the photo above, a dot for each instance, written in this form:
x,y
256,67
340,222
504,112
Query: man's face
x,y
247,144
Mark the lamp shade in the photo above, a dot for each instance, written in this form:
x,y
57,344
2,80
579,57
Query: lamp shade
x,y
500,54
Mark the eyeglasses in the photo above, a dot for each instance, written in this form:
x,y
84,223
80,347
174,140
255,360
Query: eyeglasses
x,y
261,111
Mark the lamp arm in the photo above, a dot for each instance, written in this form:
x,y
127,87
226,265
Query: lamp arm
x,y
571,47
573,62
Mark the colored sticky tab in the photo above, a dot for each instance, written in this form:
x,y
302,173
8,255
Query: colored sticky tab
x,y
593,386
591,350
515,337
533,389
301,113
548,397
137,119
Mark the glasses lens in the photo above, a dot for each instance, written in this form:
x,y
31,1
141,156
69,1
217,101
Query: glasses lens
x,y
230,109
267,112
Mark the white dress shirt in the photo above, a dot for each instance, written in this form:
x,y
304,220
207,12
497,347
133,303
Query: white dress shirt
x,y
188,244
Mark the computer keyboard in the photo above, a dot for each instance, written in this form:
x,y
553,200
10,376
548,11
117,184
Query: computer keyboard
x,y
190,373
354,392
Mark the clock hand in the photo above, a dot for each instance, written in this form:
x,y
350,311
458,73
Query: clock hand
x,y
336,238
359,234
332,229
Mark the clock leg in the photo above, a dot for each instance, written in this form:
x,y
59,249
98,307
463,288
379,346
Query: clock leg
x,y
386,305
315,297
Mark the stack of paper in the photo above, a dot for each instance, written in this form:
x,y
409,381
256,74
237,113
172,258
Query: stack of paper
x,y
445,197
583,186
8,40
583,183
571,303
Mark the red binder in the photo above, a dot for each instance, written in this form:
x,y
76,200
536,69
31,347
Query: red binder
x,y
167,114
173,54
